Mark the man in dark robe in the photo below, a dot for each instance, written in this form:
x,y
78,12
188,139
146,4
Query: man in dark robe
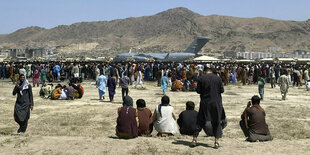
x,y
111,87
253,123
210,87
23,104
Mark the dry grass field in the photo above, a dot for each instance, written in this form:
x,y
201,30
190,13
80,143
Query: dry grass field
x,y
87,126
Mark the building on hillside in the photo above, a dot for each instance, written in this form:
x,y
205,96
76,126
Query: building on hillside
x,y
261,55
301,54
30,52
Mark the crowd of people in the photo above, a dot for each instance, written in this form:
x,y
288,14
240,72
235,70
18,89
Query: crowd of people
x,y
180,76
206,79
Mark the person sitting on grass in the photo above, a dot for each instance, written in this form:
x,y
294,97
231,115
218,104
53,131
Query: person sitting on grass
x,y
187,119
64,93
56,92
177,85
70,92
145,118
164,118
46,90
78,90
253,123
127,123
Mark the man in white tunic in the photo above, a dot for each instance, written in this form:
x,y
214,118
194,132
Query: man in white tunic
x,y
139,78
283,82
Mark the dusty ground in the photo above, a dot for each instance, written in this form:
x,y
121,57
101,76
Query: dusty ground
x,y
87,126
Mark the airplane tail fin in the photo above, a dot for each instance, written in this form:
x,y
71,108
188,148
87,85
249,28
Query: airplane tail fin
x,y
197,44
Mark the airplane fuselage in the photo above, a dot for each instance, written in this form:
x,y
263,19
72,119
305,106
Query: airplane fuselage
x,y
191,52
160,57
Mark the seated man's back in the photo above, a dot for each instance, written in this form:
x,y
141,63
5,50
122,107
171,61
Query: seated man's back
x,y
187,119
187,122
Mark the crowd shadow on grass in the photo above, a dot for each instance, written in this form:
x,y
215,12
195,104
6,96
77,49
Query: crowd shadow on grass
x,y
275,99
188,143
159,94
103,100
92,99
115,137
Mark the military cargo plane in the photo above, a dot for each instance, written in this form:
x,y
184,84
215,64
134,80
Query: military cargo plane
x,y
190,53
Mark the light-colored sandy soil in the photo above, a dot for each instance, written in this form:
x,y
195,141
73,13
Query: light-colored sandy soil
x,y
87,126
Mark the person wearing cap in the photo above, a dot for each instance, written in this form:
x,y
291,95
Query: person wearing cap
x,y
127,120
253,123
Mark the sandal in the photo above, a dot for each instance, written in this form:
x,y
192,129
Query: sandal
x,y
216,145
193,144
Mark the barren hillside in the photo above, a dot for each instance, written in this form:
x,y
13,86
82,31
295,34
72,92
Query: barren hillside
x,y
171,31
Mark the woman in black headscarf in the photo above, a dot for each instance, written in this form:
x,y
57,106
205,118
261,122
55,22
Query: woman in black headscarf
x,y
23,104
164,118
127,126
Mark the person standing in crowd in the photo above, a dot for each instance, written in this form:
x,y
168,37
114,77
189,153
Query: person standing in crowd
x,y
12,77
277,72
187,119
261,84
76,72
272,78
124,82
97,72
23,104
145,118
43,75
164,83
243,75
139,78
306,75
56,72
301,76
127,123
83,72
284,84
27,68
101,85
22,70
210,88
253,123
296,75
3,71
35,77
111,84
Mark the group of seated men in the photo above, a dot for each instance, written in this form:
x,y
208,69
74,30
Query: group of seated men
x,y
63,92
133,122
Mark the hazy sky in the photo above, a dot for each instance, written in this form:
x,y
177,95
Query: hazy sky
x,y
16,14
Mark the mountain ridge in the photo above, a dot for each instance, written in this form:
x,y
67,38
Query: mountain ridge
x,y
170,31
